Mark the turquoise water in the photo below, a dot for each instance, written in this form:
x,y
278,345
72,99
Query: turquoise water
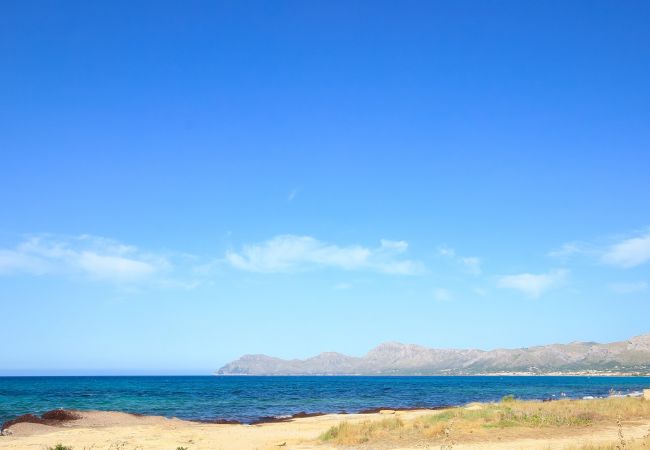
x,y
247,399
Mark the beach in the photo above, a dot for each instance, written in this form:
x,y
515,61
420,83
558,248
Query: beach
x,y
570,424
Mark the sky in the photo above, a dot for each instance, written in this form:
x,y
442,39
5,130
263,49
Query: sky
x,y
182,183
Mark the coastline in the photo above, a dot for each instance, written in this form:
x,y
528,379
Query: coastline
x,y
460,374
61,416
110,430
66,417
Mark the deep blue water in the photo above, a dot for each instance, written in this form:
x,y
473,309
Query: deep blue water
x,y
249,398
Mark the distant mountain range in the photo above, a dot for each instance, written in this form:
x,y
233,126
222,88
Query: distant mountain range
x,y
631,357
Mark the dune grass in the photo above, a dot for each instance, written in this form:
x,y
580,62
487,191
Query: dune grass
x,y
358,433
509,417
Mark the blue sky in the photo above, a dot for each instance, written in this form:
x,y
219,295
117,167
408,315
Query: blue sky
x,y
185,182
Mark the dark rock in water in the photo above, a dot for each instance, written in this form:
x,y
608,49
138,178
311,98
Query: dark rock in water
x,y
273,419
270,419
221,421
302,415
388,408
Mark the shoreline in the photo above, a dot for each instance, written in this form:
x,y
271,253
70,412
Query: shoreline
x,y
374,429
61,416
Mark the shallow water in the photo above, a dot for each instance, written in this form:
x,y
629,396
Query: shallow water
x,y
249,398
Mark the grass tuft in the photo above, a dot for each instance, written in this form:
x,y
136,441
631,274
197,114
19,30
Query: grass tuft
x,y
509,417
359,433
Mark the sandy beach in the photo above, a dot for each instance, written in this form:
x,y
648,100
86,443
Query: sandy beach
x,y
121,431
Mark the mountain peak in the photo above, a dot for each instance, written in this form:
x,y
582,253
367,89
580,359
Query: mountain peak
x,y
396,358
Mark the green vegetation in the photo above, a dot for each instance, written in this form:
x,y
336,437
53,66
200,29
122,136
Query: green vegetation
x,y
60,447
444,416
358,433
508,418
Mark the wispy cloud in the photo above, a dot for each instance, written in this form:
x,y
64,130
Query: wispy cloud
x,y
471,264
628,253
567,250
533,285
291,253
629,288
293,194
442,295
625,253
94,257
447,251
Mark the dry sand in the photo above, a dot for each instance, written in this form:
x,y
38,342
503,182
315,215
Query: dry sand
x,y
120,431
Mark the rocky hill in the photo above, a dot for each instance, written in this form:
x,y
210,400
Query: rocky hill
x,y
393,358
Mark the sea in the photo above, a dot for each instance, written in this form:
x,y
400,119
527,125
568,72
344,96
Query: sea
x,y
248,399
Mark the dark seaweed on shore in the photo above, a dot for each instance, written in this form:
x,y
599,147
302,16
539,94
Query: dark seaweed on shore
x,y
53,418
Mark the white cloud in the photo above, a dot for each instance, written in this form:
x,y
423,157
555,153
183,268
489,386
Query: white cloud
x,y
14,261
447,251
398,246
567,250
471,264
95,257
629,253
291,253
113,267
629,288
442,295
533,285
